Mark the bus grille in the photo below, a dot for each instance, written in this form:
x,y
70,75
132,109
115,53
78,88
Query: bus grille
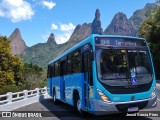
x,y
124,107
127,89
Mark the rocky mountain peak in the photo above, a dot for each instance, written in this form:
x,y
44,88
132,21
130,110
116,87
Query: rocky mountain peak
x,y
96,24
16,33
150,6
51,39
80,32
17,43
97,14
120,25
141,14
120,16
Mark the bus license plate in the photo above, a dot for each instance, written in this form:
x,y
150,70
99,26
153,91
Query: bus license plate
x,y
132,109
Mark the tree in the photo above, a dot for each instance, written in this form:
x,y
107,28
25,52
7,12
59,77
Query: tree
x,y
16,75
10,66
150,29
6,73
34,76
17,67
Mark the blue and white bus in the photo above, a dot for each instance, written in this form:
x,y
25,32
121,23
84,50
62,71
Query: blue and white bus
x,y
104,74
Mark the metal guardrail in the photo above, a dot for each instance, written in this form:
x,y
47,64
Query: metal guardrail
x,y
13,97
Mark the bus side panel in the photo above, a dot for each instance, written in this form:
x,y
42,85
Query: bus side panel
x,y
73,82
56,85
49,86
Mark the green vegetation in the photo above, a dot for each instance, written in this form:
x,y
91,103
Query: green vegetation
x,y
42,53
150,29
10,66
16,75
34,76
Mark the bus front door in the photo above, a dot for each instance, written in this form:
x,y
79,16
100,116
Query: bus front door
x,y
87,70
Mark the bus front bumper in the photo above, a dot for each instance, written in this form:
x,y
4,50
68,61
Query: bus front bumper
x,y
104,108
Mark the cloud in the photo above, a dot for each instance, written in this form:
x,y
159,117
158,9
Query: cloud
x,y
62,38
59,37
67,27
1,13
54,26
16,10
62,32
48,4
45,36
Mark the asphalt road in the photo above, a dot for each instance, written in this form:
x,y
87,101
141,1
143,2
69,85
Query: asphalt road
x,y
66,112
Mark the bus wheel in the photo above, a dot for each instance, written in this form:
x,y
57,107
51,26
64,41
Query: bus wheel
x,y
79,106
55,101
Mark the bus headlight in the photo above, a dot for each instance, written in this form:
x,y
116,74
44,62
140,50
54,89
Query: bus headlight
x,y
153,92
103,96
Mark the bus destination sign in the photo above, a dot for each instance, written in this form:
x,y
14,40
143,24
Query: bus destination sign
x,y
120,41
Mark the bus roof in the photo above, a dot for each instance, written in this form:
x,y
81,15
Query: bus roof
x,y
83,42
88,40
118,36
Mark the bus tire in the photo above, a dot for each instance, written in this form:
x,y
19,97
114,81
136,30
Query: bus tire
x,y
78,106
55,101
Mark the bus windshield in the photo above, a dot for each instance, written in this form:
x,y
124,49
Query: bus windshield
x,y
123,67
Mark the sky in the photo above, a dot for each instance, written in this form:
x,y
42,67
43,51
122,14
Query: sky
x,y
36,19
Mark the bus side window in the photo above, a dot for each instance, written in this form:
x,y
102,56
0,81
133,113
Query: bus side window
x,y
63,68
69,64
76,56
48,71
57,70
53,70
